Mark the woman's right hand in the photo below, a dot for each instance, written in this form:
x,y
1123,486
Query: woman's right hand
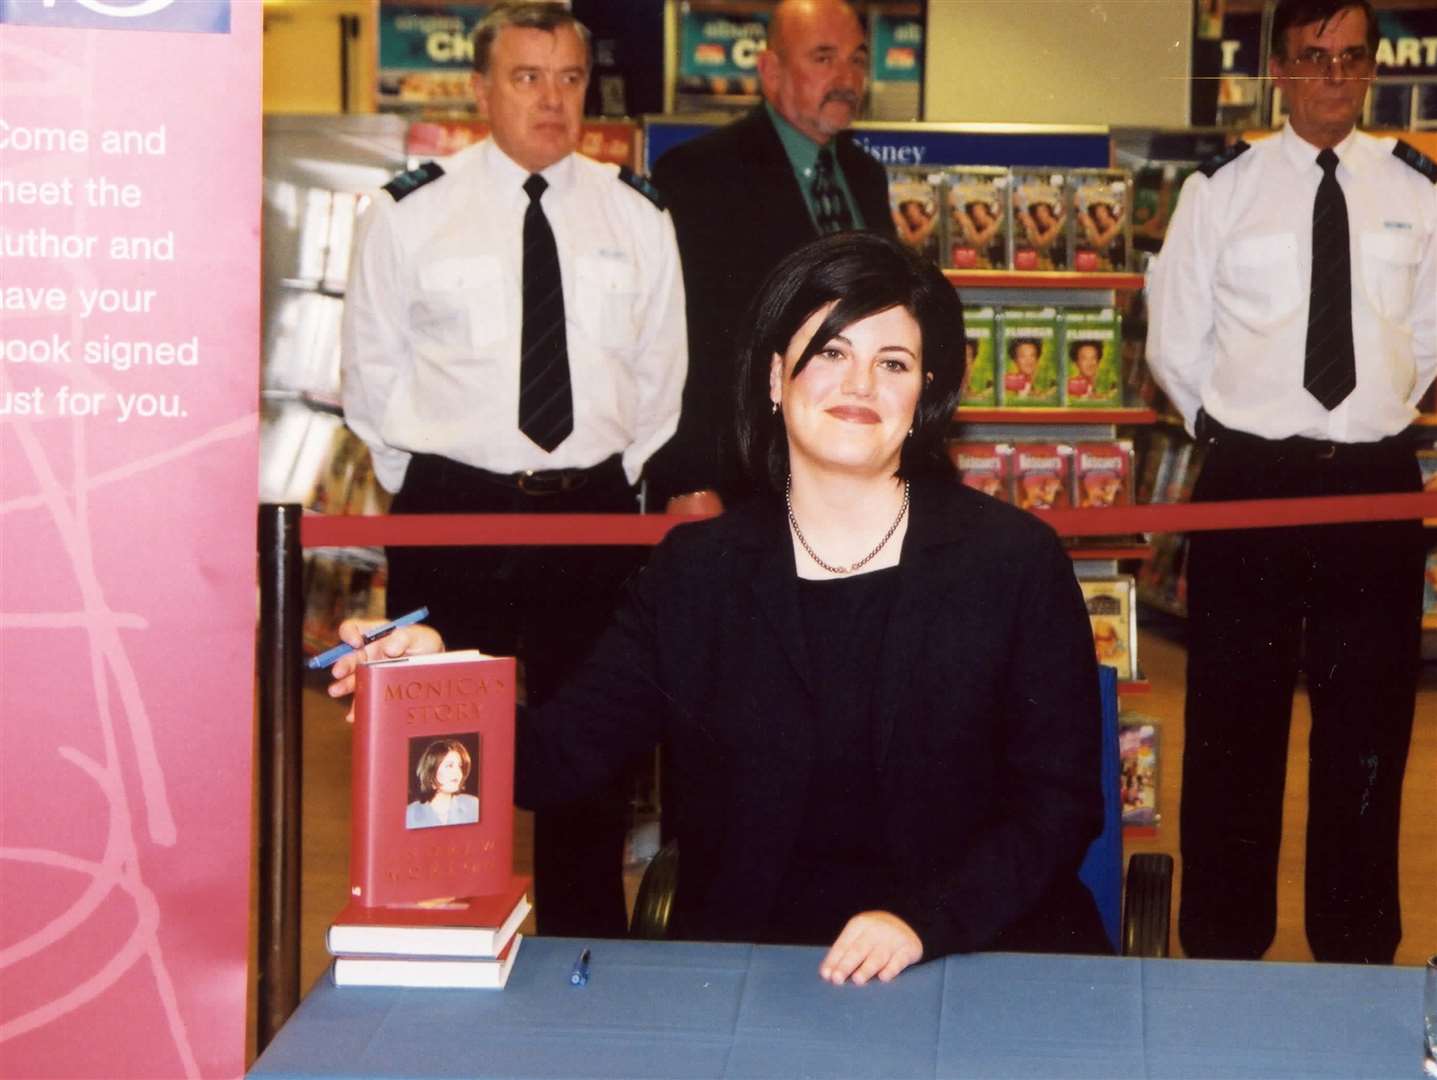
x,y
406,641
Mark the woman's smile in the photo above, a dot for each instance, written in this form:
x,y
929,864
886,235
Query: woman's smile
x,y
854,414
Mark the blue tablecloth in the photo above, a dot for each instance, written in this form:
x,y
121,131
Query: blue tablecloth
x,y
669,1009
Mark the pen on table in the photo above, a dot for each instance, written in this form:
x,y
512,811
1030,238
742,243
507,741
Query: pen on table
x,y
580,975
329,656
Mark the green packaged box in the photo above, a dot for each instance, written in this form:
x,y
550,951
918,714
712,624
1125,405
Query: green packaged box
x,y
1092,358
980,385
1029,354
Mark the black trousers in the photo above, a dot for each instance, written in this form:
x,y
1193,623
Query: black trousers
x,y
1343,604
545,605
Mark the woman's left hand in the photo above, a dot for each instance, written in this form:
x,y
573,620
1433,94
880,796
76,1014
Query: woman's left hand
x,y
873,944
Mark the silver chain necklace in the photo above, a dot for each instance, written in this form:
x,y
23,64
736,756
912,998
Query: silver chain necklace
x,y
793,521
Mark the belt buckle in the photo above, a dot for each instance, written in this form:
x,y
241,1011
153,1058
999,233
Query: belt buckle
x,y
531,482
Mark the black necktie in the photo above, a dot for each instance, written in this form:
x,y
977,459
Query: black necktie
x,y
830,208
546,401
1329,371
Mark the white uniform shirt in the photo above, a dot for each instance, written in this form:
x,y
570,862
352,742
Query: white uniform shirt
x,y
433,310
1228,293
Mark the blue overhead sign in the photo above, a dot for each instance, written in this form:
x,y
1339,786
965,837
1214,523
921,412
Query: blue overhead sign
x,y
919,145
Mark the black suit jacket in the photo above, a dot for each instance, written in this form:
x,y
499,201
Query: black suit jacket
x,y
738,210
987,739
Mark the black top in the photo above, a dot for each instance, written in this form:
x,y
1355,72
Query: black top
x,y
984,678
840,863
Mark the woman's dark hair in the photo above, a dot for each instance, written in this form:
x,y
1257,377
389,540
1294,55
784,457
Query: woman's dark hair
x,y
429,762
861,274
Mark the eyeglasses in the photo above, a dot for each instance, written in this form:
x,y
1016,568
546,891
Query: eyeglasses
x,y
1355,62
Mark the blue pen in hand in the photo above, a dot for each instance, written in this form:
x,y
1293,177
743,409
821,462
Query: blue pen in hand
x,y
580,975
329,656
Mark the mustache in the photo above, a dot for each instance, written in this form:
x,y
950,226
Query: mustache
x,y
848,97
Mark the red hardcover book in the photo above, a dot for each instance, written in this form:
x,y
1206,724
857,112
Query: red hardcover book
x,y
473,926
433,787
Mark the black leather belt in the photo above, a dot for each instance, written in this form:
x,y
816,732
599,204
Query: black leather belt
x,y
1298,448
548,482
555,481
434,473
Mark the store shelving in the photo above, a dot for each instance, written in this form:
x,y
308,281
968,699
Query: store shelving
x,y
1043,279
1124,417
1117,551
1098,556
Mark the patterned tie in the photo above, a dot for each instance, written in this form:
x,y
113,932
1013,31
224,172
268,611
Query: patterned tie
x,y
1330,369
830,208
546,400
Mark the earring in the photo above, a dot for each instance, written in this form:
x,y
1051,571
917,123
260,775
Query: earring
x,y
910,433
774,411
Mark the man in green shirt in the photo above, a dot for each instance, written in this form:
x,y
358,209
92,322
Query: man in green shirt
x,y
745,195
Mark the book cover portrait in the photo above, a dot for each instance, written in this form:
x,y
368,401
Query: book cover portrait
x,y
443,781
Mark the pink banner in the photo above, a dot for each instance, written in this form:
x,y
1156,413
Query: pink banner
x,y
129,371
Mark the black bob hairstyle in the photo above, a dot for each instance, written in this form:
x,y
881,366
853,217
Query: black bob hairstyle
x,y
861,274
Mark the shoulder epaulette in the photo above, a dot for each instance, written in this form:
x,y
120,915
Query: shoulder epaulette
x,y
410,182
1216,162
643,186
1410,155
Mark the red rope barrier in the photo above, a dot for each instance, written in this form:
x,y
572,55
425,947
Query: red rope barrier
x,y
433,530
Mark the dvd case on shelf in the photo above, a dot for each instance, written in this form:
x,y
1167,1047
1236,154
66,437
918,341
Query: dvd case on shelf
x,y
976,217
980,383
1138,770
1162,579
1155,196
1103,474
913,198
985,467
1093,359
1031,364
1040,219
1114,617
1101,219
1042,475
1426,461
1429,592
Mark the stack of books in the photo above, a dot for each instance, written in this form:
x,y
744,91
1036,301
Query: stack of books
x,y
467,943
433,816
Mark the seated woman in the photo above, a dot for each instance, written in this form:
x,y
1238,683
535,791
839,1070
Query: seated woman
x,y
875,688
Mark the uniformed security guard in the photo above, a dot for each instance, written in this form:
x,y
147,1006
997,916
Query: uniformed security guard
x,y
1293,322
514,342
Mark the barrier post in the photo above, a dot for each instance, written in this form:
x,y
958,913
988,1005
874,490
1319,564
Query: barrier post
x,y
281,607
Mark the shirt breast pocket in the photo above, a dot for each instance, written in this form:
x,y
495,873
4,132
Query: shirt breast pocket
x,y
1260,274
607,290
460,303
1389,272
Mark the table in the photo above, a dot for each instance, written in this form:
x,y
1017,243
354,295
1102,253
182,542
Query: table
x,y
674,1009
